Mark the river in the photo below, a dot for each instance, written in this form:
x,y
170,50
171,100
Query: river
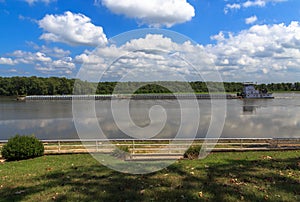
x,y
270,118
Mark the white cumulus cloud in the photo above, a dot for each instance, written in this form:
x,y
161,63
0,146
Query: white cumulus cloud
x,y
55,52
73,29
155,13
29,57
42,62
7,61
249,3
263,53
152,57
269,49
64,66
36,1
259,3
251,20
234,6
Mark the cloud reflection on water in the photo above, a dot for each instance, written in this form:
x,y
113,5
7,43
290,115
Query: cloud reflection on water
x,y
261,119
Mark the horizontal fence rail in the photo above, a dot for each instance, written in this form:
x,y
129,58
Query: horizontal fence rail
x,y
165,148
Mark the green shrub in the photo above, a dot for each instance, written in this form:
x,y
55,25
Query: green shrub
x,y
121,152
22,147
192,152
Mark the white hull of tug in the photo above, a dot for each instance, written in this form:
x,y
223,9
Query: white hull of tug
x,y
264,96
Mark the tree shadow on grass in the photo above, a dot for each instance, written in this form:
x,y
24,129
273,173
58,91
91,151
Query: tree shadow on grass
x,y
232,180
257,180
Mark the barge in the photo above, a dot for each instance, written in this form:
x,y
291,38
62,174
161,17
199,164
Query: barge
x,y
134,97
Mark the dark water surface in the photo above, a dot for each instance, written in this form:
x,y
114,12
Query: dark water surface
x,y
279,117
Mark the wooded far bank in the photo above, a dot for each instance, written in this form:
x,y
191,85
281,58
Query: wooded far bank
x,y
21,86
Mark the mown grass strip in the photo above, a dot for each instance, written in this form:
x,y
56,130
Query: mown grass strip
x,y
230,176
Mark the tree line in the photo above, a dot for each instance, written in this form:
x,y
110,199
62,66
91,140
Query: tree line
x,y
21,86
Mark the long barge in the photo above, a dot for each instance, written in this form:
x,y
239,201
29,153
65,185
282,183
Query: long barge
x,y
134,97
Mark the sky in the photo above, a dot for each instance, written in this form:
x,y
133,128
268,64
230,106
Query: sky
x,y
235,40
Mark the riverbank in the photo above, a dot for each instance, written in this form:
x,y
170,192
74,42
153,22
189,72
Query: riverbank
x,y
237,176
160,149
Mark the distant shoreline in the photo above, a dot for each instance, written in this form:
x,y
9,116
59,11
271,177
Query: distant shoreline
x,y
20,86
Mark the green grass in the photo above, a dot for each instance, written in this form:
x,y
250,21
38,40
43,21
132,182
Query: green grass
x,y
232,176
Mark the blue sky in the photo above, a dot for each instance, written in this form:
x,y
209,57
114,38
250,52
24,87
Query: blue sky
x,y
253,40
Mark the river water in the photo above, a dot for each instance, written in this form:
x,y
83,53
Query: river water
x,y
270,118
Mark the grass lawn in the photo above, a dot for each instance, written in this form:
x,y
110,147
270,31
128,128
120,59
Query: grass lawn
x,y
239,176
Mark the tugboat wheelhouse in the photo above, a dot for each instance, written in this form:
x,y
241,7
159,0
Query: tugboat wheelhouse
x,y
249,92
